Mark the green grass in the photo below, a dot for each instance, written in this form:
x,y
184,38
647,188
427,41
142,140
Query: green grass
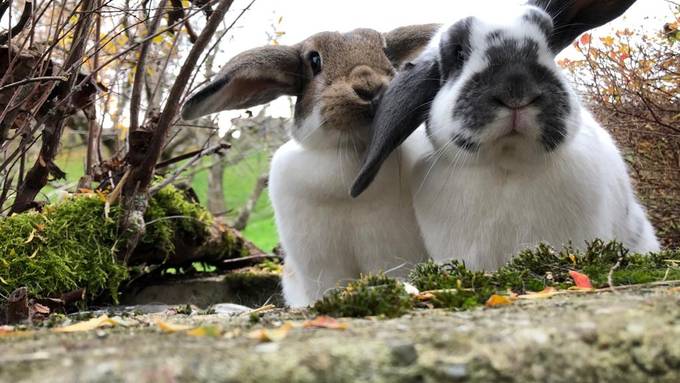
x,y
239,181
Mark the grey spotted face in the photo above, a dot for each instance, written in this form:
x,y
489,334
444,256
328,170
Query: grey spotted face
x,y
489,89
503,99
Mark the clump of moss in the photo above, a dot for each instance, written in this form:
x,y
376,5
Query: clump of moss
x,y
535,269
454,286
172,218
67,246
72,244
370,295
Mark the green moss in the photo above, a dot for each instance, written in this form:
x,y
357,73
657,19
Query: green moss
x,y
453,286
172,218
67,246
368,296
72,244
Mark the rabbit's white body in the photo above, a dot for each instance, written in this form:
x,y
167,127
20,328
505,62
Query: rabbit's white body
x,y
485,213
328,237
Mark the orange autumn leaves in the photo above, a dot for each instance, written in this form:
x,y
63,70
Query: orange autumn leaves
x,y
581,283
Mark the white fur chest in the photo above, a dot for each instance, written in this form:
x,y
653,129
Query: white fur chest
x,y
327,236
484,215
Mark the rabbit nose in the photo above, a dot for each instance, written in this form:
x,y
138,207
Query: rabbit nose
x,y
370,94
516,91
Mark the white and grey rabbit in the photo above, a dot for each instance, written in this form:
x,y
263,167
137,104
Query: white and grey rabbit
x,y
338,78
509,157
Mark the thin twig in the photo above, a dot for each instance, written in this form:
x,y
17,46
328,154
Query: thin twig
x,y
610,276
140,72
23,20
176,173
34,79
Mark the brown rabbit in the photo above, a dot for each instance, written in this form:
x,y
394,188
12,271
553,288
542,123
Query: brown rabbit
x,y
338,79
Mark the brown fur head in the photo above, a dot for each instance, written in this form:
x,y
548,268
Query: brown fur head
x,y
338,78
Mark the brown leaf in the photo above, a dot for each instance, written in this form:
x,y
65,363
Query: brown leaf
x,y
325,322
271,335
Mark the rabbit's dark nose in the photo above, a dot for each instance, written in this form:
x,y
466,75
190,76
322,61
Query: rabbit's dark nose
x,y
370,94
367,83
517,90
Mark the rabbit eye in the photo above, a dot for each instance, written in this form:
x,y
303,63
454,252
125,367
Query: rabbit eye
x,y
315,62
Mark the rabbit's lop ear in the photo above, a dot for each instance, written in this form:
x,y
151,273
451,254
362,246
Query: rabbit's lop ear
x,y
253,77
573,17
404,107
406,43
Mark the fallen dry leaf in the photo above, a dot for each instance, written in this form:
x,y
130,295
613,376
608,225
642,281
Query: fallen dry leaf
x,y
498,300
94,323
580,280
325,322
546,293
210,330
271,335
425,296
170,327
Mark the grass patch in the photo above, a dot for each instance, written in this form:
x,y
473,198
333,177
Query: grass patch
x,y
452,286
239,181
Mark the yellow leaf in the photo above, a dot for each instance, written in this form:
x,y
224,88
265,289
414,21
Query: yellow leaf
x,y
158,39
498,300
94,323
34,254
212,331
3,281
271,335
186,4
169,327
30,237
546,293
607,41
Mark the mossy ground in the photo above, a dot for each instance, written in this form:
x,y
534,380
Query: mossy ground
x,y
72,243
453,286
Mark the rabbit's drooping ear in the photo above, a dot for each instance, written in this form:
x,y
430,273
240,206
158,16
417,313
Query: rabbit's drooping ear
x,y
251,78
405,43
404,107
573,17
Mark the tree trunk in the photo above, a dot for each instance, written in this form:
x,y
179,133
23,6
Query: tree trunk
x,y
216,204
244,216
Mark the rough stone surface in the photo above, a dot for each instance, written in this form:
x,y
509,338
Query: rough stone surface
x,y
251,289
633,336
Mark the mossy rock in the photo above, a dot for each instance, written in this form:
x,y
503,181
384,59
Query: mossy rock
x,y
72,244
